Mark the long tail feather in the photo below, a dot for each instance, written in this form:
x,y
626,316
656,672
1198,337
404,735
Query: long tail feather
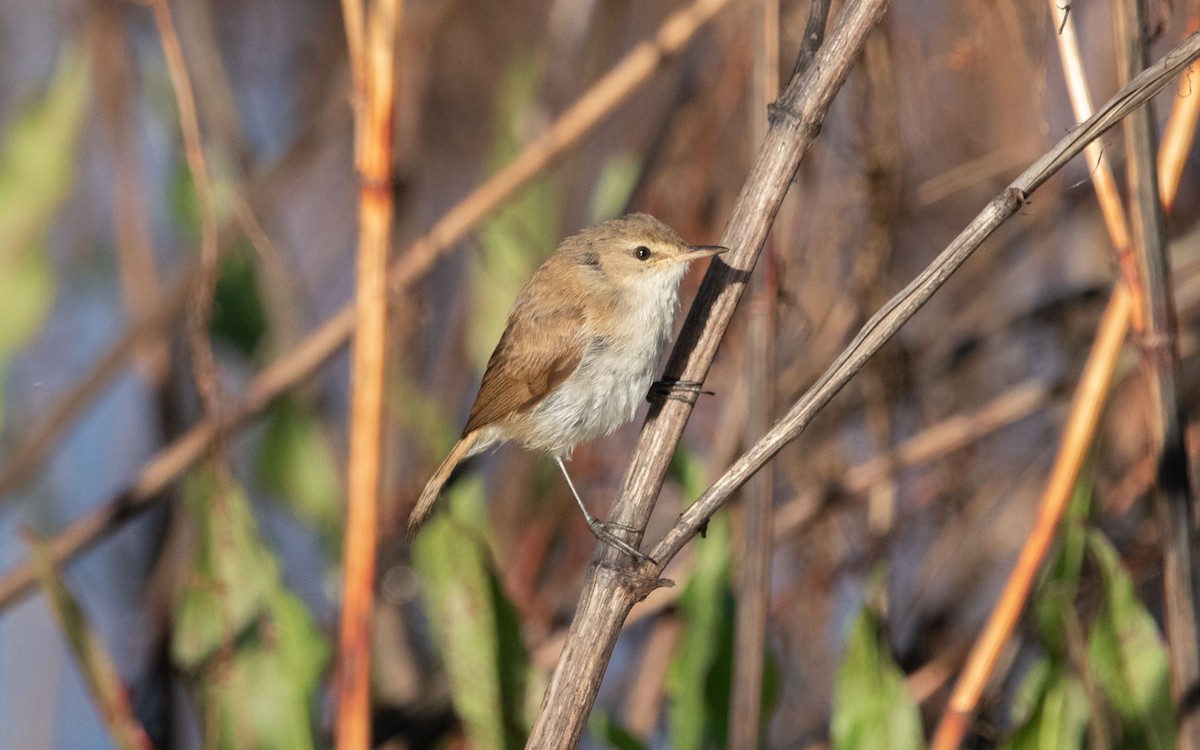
x,y
433,488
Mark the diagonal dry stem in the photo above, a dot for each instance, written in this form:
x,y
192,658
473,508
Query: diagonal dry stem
x,y
900,308
612,588
42,436
92,658
1076,440
982,660
598,103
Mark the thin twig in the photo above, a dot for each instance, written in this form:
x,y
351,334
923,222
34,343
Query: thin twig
x,y
92,658
611,590
278,287
1077,438
904,305
883,156
1160,367
754,542
1099,167
998,630
352,726
354,21
598,103
141,286
44,434
1180,134
950,434
200,306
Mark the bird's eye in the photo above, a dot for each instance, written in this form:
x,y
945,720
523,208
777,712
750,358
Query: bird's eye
x,y
641,252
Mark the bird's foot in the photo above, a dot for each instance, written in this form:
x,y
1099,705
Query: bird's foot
x,y
601,529
681,390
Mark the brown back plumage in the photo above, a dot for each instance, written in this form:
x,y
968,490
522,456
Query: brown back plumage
x,y
517,379
583,288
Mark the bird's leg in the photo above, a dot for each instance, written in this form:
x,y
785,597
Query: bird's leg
x,y
680,390
598,527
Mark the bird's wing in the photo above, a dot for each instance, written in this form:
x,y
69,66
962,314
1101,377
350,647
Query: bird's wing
x,y
534,356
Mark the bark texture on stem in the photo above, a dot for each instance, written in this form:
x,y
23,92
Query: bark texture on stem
x,y
611,588
904,305
1160,367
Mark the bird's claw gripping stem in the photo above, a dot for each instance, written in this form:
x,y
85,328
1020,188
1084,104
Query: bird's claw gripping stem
x,y
601,530
681,390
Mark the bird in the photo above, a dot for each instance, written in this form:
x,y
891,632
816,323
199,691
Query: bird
x,y
579,349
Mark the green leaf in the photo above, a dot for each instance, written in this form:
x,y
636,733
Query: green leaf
x,y
238,316
1128,657
1053,604
264,698
699,676
1028,693
608,730
1054,709
258,702
38,154
254,652
476,627
871,704
297,461
302,648
233,574
37,169
27,284
183,200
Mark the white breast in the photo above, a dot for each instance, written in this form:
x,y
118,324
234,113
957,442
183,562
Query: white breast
x,y
615,373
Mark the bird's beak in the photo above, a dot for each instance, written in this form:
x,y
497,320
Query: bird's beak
x,y
695,252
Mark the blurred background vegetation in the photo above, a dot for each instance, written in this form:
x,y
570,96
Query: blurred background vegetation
x,y
208,620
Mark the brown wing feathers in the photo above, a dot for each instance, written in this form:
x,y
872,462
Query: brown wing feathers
x,y
516,381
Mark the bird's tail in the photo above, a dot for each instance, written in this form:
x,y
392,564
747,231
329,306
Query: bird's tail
x,y
433,488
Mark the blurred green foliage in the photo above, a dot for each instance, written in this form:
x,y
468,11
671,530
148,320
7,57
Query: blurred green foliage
x,y
525,231
238,315
1102,680
424,417
492,685
604,727
614,187
698,679
871,704
253,651
1098,681
296,460
37,169
1128,656
1052,708
181,198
